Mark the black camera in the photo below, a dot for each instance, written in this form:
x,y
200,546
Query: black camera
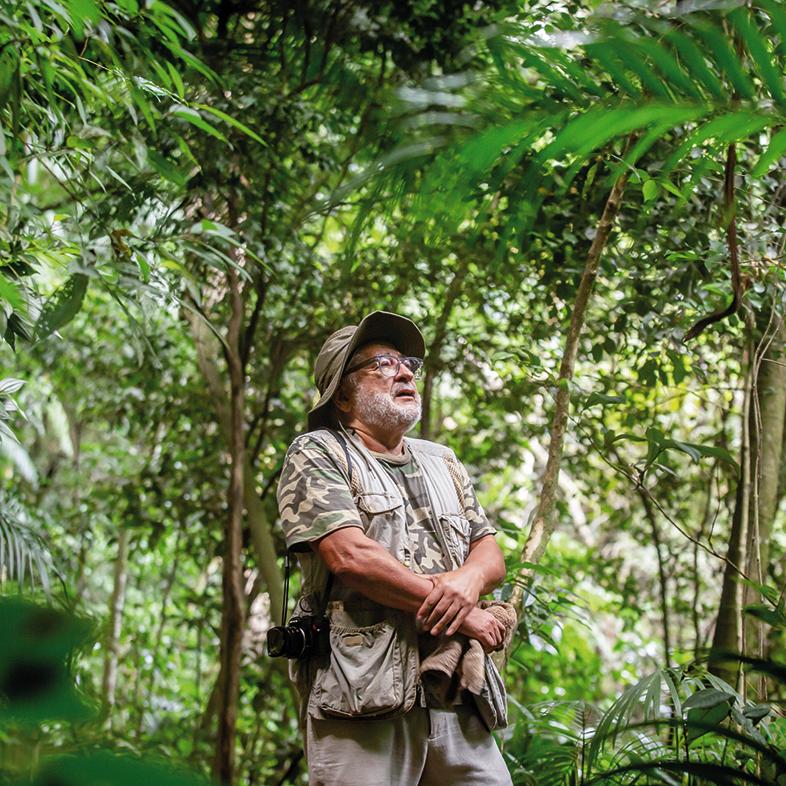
x,y
303,637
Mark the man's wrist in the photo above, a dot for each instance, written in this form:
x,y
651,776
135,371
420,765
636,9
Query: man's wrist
x,y
476,576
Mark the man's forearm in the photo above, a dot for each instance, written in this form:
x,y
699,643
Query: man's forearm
x,y
376,573
371,570
486,563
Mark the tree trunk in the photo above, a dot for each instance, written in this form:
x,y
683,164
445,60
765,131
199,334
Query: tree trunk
x,y
542,524
728,637
261,536
116,604
767,423
771,409
233,610
662,577
433,362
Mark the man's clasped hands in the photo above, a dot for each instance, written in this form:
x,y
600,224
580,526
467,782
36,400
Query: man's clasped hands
x,y
452,604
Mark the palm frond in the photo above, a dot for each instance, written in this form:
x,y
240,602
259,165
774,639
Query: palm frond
x,y
544,106
24,555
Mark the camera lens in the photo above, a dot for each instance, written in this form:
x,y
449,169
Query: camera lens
x,y
276,642
287,641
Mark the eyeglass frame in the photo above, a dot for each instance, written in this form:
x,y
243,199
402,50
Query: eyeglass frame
x,y
416,372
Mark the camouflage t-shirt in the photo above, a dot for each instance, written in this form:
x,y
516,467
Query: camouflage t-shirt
x,y
427,556
315,499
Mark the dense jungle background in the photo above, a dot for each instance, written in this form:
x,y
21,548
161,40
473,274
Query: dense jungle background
x,y
581,204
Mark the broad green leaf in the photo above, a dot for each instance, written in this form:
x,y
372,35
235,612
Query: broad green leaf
x,y
103,768
81,11
671,188
650,190
10,292
62,306
603,398
775,618
9,385
700,717
167,169
34,681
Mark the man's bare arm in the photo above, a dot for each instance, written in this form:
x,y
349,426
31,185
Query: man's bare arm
x,y
370,569
455,593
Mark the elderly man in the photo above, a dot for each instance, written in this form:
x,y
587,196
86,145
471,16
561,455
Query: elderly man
x,y
395,551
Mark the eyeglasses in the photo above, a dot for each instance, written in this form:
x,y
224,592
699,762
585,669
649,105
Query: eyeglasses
x,y
389,365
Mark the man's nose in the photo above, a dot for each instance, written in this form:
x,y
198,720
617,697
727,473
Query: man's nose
x,y
404,373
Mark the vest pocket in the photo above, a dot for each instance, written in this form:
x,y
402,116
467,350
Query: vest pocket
x,y
365,676
383,519
456,529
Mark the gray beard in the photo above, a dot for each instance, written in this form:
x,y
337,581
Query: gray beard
x,y
380,410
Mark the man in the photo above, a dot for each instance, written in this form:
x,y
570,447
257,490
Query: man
x,y
395,547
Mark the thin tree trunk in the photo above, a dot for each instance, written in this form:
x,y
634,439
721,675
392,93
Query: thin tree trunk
x,y
767,424
728,637
162,619
771,390
542,524
698,640
259,525
662,578
433,362
233,611
112,647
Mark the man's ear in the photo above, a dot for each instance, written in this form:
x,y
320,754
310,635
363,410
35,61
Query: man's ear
x,y
341,398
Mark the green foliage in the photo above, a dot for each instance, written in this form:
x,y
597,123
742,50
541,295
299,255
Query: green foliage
x,y
36,686
409,157
24,555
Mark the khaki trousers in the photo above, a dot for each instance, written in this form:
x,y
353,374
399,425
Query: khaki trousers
x,y
422,748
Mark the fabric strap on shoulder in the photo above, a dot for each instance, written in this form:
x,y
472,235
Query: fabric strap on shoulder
x,y
353,482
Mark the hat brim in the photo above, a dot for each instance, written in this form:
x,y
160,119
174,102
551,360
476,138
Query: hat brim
x,y
381,326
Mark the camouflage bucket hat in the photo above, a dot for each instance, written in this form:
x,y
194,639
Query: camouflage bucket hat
x,y
332,359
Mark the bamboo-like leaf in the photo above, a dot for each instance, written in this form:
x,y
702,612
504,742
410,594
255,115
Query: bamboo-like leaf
x,y
577,73
721,774
195,119
632,59
726,58
724,128
535,60
774,151
22,551
669,67
10,385
620,714
760,55
235,123
596,127
777,14
601,54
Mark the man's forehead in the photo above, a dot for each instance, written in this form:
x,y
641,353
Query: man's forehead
x,y
376,348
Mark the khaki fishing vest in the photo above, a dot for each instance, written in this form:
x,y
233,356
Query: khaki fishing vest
x,y
372,670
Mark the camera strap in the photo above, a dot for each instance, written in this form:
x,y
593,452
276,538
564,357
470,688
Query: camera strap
x,y
287,565
285,602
